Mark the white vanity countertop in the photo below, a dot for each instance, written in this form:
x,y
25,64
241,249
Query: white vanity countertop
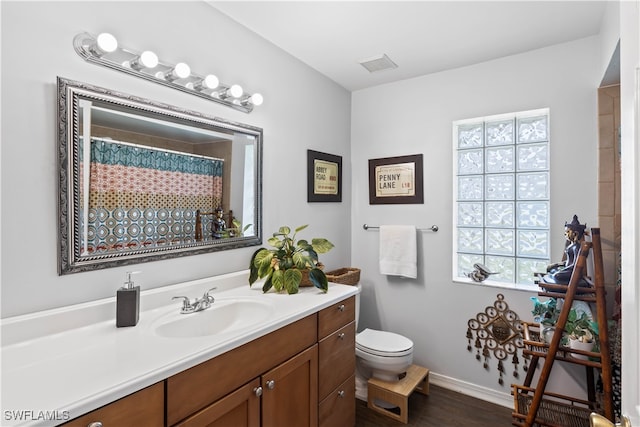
x,y
65,373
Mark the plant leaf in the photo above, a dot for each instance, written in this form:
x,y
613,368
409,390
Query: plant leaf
x,y
319,279
284,230
263,262
320,245
303,244
277,279
301,261
267,285
275,242
312,256
302,227
292,279
253,268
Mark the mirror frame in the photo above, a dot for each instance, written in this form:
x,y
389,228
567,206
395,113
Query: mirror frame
x,y
70,259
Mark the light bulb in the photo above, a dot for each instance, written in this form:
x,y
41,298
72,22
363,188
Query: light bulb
x,y
235,91
147,59
210,82
257,99
182,70
179,71
106,42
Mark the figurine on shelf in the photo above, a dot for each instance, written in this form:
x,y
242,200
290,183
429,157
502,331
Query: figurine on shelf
x,y
480,273
560,272
219,225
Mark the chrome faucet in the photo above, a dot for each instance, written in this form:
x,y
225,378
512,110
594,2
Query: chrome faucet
x,y
198,304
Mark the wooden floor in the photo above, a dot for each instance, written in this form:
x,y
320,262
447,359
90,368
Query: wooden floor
x,y
441,408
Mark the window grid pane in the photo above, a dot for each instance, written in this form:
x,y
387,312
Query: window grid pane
x,y
503,196
470,136
500,133
470,214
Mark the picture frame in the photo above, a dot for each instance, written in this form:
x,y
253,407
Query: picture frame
x,y
324,177
396,180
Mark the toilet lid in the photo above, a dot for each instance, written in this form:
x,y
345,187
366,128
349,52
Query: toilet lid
x,y
383,343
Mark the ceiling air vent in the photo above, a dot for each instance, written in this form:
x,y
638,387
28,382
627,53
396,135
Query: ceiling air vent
x,y
378,63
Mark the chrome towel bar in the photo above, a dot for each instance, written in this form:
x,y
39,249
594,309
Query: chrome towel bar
x,y
433,228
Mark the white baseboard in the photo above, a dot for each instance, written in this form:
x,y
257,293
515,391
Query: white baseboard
x,y
473,390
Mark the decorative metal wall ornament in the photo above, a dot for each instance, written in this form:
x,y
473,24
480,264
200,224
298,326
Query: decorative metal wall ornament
x,y
496,331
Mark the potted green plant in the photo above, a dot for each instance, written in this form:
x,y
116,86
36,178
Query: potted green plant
x,y
546,314
237,230
581,332
284,265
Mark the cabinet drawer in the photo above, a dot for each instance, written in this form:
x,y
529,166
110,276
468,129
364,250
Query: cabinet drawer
x,y
336,316
337,358
196,388
339,408
143,408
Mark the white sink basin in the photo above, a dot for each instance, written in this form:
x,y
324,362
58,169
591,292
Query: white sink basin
x,y
223,316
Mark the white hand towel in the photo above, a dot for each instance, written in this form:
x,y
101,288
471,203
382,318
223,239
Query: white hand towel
x,y
398,253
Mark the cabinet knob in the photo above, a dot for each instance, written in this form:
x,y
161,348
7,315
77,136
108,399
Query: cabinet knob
x,y
257,391
341,393
95,424
271,384
341,307
341,335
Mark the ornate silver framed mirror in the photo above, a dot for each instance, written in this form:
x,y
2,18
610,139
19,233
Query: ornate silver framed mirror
x,y
141,181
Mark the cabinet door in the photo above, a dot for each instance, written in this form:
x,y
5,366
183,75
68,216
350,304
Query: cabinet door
x,y
143,408
239,409
290,396
339,408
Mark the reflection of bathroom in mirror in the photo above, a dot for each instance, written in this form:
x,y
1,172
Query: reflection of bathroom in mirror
x,y
155,178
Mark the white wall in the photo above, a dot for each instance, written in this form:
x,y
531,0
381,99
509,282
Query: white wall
x,y
630,168
302,110
415,116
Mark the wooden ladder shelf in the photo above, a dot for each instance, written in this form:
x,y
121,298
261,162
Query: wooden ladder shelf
x,y
532,405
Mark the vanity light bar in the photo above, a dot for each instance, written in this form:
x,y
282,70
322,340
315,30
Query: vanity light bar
x,y
104,50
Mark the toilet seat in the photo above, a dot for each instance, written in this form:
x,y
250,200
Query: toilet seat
x,y
383,343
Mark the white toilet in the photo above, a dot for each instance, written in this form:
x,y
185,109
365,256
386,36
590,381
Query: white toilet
x,y
379,354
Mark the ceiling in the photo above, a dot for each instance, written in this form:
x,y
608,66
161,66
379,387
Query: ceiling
x,y
421,37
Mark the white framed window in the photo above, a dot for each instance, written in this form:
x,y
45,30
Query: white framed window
x,y
502,196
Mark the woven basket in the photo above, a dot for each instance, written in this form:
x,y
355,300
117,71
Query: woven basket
x,y
305,281
557,410
344,276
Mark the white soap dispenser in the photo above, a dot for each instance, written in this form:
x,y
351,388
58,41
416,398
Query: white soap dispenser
x,y
128,303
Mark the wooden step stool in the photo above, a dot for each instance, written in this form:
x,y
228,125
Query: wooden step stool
x,y
397,393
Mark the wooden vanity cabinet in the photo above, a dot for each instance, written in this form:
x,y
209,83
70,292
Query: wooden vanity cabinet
x,y
279,354
142,408
337,355
300,375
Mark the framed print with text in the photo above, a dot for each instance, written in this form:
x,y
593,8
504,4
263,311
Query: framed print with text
x,y
396,180
324,177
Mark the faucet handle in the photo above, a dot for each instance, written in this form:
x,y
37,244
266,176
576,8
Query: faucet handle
x,y
186,304
208,297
